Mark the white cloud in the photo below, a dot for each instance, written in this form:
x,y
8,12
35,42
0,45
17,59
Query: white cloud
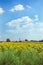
x,y
39,24
28,6
39,27
18,7
1,10
26,27
11,31
39,31
21,24
23,21
36,17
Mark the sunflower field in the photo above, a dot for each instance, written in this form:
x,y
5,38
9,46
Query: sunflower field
x,y
21,53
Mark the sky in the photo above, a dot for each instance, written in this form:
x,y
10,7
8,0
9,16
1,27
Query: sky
x,y
21,19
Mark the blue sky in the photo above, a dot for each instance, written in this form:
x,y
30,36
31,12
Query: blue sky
x,y
21,19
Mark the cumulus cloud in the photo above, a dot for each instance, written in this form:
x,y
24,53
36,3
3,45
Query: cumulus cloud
x,y
11,31
25,23
36,17
22,22
1,10
26,27
18,7
40,24
39,27
28,6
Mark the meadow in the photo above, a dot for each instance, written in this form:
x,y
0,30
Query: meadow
x,y
21,53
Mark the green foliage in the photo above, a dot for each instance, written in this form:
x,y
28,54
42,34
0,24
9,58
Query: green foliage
x,y
30,57
25,57
7,40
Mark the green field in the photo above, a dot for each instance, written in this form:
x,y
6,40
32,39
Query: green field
x,y
21,53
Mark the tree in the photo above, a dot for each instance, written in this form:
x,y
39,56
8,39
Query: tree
x,y
26,40
7,40
40,40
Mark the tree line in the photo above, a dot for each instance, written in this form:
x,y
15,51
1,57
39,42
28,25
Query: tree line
x,y
8,40
26,40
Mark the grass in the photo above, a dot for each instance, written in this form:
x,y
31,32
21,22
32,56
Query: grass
x,y
21,53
